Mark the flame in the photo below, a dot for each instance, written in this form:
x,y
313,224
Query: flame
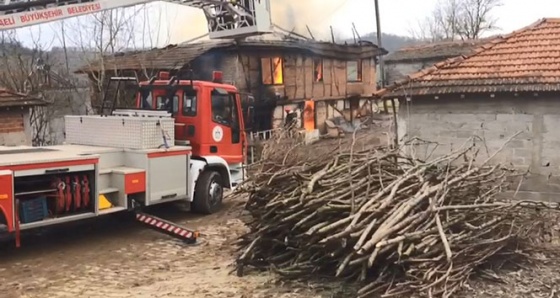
x,y
277,74
318,70
309,115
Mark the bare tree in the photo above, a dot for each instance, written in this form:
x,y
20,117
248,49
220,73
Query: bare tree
x,y
476,18
116,32
22,71
458,19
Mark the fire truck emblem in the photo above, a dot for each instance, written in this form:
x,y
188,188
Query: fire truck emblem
x,y
217,134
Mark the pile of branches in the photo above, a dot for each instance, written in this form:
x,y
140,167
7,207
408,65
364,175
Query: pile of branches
x,y
393,223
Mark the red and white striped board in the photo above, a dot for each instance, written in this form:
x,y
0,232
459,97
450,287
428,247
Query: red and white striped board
x,y
167,227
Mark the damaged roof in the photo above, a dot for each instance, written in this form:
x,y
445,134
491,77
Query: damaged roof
x,y
434,51
526,60
177,56
9,99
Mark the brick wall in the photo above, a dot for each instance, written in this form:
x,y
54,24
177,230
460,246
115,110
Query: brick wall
x,y
12,128
451,121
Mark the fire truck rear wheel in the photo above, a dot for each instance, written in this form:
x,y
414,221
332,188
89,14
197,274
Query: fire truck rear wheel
x,y
208,193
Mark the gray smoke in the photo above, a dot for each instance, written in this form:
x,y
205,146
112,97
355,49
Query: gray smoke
x,y
288,14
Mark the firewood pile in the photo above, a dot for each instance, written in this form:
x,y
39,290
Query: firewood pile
x,y
396,225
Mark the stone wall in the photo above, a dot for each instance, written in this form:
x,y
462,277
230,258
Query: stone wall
x,y
452,121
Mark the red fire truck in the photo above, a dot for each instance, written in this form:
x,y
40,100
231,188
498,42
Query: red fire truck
x,y
184,141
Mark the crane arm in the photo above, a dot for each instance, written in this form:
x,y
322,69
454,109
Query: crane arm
x,y
225,18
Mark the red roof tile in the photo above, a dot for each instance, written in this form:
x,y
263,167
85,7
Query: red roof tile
x,y
524,60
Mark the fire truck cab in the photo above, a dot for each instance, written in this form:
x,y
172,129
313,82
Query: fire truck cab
x,y
208,115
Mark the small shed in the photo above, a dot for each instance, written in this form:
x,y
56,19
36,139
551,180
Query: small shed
x,y
15,117
509,84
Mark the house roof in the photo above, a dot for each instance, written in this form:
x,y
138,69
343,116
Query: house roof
x,y
526,60
9,99
177,56
434,51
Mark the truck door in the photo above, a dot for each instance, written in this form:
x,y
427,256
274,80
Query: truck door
x,y
226,126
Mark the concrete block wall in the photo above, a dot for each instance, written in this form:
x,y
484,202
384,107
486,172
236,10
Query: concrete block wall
x,y
451,122
398,70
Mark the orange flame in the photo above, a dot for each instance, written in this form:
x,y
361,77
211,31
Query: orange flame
x,y
278,75
318,70
309,115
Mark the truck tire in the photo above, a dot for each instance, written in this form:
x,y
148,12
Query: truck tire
x,y
208,193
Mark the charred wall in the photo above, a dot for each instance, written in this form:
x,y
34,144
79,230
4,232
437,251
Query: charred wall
x,y
243,67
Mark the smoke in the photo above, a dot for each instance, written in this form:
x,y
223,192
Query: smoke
x,y
297,14
288,14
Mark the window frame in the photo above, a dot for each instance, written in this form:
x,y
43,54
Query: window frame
x,y
175,100
270,62
228,100
148,100
359,71
194,103
315,74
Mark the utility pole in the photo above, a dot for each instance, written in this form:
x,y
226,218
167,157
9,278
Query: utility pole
x,y
381,62
382,74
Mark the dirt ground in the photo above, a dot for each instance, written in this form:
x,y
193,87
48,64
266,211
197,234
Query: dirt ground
x,y
113,257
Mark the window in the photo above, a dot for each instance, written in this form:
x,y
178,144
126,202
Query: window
x,y
317,70
221,106
189,104
162,103
354,71
146,99
272,71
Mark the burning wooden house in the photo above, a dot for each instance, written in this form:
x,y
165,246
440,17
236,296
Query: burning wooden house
x,y
280,72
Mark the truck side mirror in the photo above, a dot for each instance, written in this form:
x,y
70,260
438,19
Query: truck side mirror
x,y
250,115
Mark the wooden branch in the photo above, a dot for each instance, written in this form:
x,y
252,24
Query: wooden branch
x,y
356,215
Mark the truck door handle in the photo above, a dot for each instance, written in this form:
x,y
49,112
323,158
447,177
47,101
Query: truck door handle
x,y
57,171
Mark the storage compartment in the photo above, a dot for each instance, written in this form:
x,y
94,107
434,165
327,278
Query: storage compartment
x,y
120,131
59,195
32,210
164,186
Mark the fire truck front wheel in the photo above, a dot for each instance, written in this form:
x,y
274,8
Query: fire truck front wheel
x,y
208,193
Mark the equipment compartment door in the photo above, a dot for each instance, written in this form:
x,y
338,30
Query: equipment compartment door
x,y
167,177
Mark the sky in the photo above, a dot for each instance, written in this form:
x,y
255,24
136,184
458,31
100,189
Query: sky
x,y
176,23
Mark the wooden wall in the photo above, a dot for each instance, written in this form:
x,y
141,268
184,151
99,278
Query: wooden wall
x,y
244,70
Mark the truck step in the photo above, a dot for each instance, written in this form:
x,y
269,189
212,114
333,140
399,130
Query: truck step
x,y
167,227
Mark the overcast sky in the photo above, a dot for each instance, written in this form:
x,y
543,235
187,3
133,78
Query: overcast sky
x,y
179,23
